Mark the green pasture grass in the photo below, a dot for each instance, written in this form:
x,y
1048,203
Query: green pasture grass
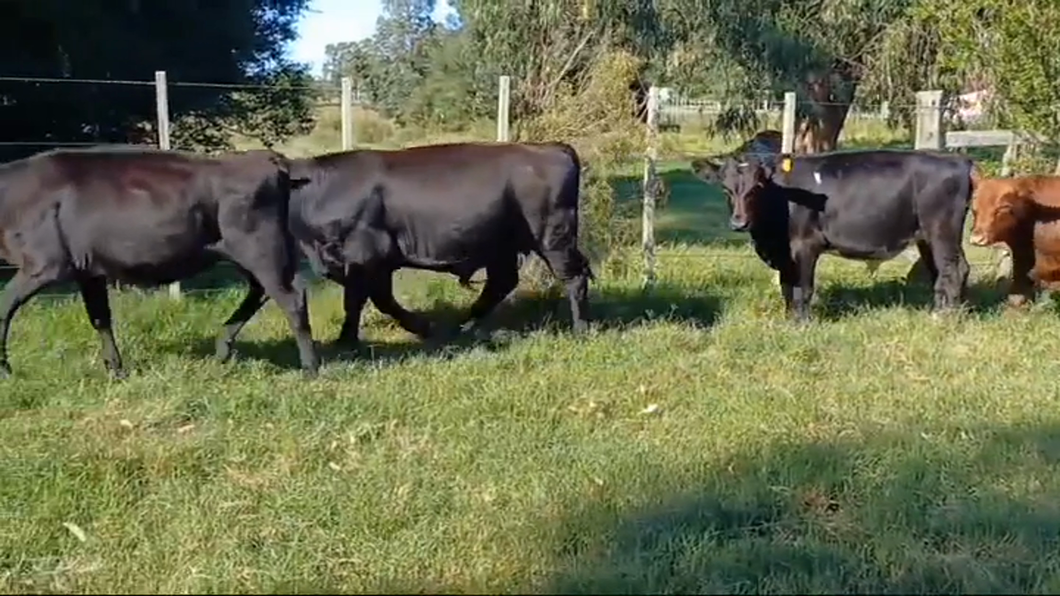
x,y
695,441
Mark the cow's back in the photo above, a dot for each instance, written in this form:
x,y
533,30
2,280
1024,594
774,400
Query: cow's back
x,y
433,205
174,207
438,182
876,202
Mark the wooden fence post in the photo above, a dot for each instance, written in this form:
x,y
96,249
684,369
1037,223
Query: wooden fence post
x,y
929,121
1011,153
648,206
504,91
162,108
346,112
787,123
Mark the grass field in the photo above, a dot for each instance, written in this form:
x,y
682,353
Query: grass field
x,y
694,442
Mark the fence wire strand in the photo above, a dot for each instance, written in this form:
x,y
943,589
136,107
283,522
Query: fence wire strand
x,y
59,80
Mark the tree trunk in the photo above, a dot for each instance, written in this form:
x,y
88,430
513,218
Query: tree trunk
x,y
830,95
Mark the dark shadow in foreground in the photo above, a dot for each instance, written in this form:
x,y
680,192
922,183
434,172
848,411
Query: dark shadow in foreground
x,y
948,511
522,313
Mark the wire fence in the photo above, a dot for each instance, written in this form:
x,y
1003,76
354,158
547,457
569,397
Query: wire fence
x,y
149,103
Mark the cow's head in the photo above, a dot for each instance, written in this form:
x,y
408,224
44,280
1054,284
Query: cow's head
x,y
742,179
999,207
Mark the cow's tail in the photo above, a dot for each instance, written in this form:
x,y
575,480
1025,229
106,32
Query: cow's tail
x,y
571,187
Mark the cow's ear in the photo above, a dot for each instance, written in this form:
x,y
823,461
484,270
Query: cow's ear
x,y
706,170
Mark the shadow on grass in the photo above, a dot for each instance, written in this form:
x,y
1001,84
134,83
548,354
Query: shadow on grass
x,y
695,212
222,276
836,302
523,312
918,512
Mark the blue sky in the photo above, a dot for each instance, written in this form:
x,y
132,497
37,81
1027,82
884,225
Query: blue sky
x,y
330,21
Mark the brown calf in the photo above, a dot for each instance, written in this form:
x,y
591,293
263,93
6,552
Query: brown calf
x,y
1023,214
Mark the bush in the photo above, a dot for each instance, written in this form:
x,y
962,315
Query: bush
x,y
369,126
594,114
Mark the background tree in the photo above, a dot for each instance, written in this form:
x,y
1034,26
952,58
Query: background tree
x,y
823,49
546,45
222,41
1012,46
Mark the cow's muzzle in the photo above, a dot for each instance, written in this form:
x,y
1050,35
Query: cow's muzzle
x,y
738,224
977,239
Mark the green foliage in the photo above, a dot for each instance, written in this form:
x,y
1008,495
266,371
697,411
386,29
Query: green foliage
x,y
348,58
909,60
224,41
782,45
398,67
545,44
1014,45
275,107
595,115
457,88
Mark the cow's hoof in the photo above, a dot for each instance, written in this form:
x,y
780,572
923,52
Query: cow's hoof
x,y
5,370
1018,301
223,351
945,314
481,334
348,349
473,329
346,342
119,374
227,355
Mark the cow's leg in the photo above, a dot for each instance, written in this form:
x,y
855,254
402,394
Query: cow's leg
x,y
789,279
1003,264
97,305
251,304
799,282
354,296
572,268
1021,288
289,293
381,291
502,276
926,260
17,292
953,273
558,247
267,274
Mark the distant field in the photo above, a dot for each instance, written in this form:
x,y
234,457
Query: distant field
x,y
694,442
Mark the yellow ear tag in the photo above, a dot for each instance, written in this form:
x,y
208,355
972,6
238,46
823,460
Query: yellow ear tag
x,y
785,164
